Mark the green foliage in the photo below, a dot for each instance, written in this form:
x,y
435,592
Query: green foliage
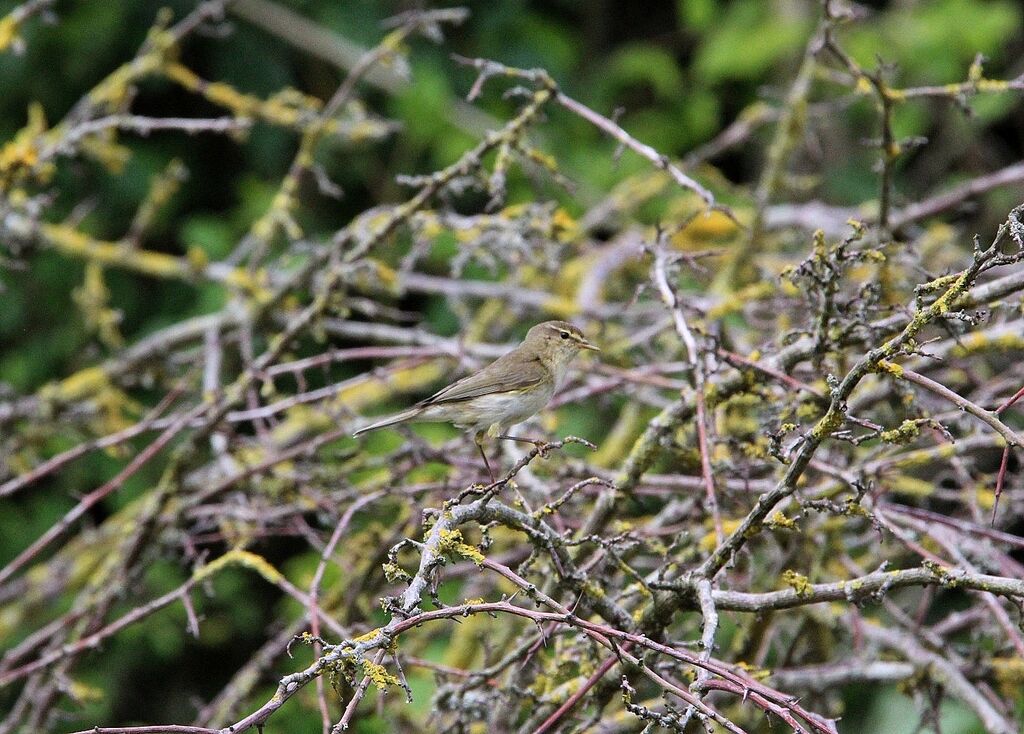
x,y
747,39
936,41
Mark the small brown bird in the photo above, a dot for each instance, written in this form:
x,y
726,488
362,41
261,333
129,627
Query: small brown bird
x,y
505,392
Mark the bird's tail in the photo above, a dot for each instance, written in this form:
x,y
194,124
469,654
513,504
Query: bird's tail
x,y
402,417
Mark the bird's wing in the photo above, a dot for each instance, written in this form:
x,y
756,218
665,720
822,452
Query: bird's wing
x,y
491,379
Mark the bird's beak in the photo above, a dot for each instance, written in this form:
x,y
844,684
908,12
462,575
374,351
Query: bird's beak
x,y
584,344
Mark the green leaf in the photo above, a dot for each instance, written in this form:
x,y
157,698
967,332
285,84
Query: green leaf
x,y
696,14
213,235
641,64
749,40
934,42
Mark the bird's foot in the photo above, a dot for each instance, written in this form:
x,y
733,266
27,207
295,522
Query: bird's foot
x,y
542,446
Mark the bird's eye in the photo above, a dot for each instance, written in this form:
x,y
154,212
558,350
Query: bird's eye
x,y
565,334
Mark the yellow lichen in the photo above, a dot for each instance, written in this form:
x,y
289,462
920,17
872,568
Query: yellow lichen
x,y
830,422
993,85
92,298
563,227
985,497
908,431
736,302
242,558
754,671
1009,672
105,150
8,31
778,521
451,543
82,384
710,540
798,582
71,241
890,368
394,573
978,342
910,485
378,675
22,151
367,636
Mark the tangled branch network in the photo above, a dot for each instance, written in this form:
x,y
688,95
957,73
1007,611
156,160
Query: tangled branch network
x,y
797,472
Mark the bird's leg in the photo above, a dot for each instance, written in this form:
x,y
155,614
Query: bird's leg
x,y
479,439
541,446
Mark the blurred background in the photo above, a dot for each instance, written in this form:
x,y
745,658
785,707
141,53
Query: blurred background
x,y
678,73
674,74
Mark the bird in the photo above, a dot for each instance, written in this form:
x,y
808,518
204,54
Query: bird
x,y
506,392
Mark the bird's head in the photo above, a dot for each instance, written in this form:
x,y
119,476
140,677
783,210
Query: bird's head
x,y
557,342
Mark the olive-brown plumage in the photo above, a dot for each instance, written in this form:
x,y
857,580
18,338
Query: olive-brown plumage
x,y
514,387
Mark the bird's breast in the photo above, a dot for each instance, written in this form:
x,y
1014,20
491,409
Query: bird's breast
x,y
508,408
